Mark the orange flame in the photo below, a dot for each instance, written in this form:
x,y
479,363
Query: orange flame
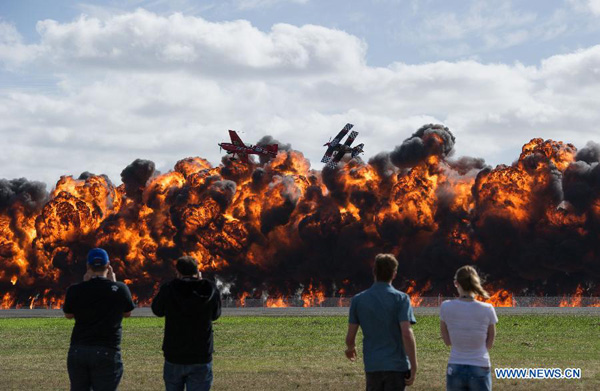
x,y
183,212
8,301
416,296
243,299
313,297
500,298
277,302
573,301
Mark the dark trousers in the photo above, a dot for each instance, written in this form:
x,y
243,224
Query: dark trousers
x,y
194,377
386,381
94,367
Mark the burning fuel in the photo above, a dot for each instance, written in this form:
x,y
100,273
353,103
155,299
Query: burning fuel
x,y
277,229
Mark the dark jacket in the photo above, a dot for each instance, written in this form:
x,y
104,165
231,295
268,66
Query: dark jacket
x,y
189,307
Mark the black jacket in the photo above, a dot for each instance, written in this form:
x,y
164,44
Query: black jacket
x,y
189,307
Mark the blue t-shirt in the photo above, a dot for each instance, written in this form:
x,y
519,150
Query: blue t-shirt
x,y
379,311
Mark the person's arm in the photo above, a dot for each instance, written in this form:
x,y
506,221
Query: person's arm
x,y
129,304
111,274
410,346
353,323
491,332
217,308
445,334
351,341
406,318
68,304
158,303
491,336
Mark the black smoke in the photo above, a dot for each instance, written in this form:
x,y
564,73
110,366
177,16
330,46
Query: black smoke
x,y
589,154
466,163
31,194
135,177
275,227
269,140
429,140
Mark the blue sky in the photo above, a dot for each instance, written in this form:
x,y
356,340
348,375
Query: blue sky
x,y
93,86
395,30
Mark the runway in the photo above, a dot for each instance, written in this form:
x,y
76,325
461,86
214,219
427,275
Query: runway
x,y
317,311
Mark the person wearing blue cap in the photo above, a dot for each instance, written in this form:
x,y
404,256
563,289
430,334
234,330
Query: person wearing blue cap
x,y
98,305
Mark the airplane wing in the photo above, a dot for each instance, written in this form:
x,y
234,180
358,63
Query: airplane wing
x,y
341,135
331,164
338,156
327,157
351,138
235,139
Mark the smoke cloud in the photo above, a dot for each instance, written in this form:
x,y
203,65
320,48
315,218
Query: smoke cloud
x,y
278,227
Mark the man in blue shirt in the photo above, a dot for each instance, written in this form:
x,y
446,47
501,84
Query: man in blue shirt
x,y
385,316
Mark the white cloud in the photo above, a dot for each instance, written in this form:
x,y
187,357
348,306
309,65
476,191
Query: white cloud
x,y
485,27
143,40
140,85
251,4
12,50
482,18
592,6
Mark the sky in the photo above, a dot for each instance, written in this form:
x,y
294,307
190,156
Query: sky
x,y
93,86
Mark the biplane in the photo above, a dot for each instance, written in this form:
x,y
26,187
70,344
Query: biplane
x,y
237,147
336,151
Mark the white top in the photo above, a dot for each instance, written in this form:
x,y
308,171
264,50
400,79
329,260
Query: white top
x,y
468,323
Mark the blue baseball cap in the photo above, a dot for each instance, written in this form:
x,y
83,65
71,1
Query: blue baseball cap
x,y
97,257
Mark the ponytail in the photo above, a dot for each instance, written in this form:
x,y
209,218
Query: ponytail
x,y
469,281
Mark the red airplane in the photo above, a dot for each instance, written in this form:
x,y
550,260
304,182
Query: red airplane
x,y
237,147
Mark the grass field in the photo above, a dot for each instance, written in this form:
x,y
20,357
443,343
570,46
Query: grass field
x,y
300,353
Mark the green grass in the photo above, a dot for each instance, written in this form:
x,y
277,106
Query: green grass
x,y
300,353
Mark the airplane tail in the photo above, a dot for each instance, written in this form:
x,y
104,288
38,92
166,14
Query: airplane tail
x,y
357,150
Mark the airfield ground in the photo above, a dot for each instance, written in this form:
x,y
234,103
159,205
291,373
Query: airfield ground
x,y
316,311
301,349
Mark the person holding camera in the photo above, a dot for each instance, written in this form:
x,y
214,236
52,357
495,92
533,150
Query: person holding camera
x,y
98,305
189,304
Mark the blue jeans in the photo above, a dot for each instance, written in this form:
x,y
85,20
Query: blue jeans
x,y
468,378
195,377
94,367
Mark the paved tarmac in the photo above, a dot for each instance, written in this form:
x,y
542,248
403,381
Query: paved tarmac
x,y
317,311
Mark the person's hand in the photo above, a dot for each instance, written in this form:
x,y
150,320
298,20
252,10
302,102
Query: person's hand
x,y
111,274
413,375
351,353
199,275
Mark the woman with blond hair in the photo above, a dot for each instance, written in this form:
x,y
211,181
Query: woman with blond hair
x,y
469,326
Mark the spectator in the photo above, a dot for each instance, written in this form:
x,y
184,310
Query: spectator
x,y
385,317
98,305
189,304
469,326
